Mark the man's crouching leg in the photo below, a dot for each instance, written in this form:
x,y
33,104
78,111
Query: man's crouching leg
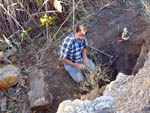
x,y
91,67
76,74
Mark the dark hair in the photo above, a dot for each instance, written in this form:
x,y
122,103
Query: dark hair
x,y
77,29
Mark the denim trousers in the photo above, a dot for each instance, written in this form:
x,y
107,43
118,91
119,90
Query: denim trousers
x,y
76,74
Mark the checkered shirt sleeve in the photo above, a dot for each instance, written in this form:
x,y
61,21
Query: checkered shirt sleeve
x,y
65,47
72,50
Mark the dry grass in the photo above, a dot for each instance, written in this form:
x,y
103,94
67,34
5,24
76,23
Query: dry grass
x,y
18,16
21,14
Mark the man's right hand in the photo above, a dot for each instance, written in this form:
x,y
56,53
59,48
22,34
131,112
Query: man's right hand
x,y
80,66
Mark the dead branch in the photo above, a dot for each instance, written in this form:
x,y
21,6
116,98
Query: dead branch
x,y
13,98
101,52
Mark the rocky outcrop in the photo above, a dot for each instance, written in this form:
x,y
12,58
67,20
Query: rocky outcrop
x,y
101,104
127,94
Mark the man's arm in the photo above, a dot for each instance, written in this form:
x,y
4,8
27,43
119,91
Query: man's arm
x,y
63,56
85,59
84,52
67,61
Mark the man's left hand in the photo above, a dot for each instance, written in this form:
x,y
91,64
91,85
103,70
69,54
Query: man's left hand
x,y
86,62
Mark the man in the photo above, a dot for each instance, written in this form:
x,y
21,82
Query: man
x,y
74,54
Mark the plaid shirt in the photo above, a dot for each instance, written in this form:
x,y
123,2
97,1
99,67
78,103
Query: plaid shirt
x,y
72,50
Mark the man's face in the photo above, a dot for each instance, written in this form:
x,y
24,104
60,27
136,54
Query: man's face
x,y
81,34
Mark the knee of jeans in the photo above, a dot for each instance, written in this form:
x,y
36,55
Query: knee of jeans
x,y
92,67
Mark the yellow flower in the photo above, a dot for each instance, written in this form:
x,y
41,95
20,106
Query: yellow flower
x,y
46,20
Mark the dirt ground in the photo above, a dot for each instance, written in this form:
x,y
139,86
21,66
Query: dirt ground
x,y
103,33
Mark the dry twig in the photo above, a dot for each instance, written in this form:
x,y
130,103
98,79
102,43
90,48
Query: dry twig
x,y
1,5
13,98
73,13
101,52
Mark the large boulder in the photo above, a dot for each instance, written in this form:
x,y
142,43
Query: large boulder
x,y
39,97
99,105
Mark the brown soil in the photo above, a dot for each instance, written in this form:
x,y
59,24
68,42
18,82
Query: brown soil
x,y
103,34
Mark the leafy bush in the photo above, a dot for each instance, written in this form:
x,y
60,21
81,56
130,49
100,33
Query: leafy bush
x,y
92,80
100,77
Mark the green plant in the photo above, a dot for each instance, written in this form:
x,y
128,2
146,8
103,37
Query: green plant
x,y
25,37
100,77
40,42
92,80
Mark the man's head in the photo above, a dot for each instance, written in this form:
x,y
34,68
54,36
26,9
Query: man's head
x,y
80,32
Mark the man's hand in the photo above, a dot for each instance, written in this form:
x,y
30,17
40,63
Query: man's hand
x,y
80,66
86,63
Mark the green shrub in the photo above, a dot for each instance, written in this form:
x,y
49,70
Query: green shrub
x,y
92,80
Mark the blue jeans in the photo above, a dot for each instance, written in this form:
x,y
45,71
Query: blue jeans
x,y
76,74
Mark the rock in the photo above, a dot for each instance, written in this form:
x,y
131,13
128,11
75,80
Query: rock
x,y
90,110
8,77
103,103
132,92
5,55
61,108
39,97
